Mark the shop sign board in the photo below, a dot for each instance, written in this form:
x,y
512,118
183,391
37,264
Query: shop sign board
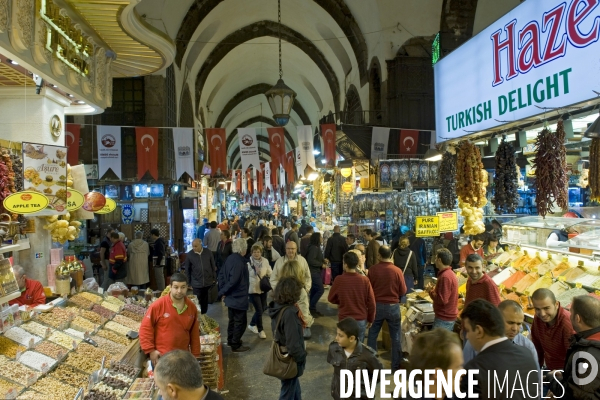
x,y
542,54
426,226
26,202
347,187
75,200
448,221
108,207
45,171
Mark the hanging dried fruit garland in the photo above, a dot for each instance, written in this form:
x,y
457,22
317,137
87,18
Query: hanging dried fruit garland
x,y
550,165
506,197
7,179
447,181
594,172
471,181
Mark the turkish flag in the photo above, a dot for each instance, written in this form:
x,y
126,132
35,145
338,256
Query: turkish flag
x,y
277,144
147,151
217,149
238,181
259,178
249,178
290,162
72,142
328,134
274,172
409,141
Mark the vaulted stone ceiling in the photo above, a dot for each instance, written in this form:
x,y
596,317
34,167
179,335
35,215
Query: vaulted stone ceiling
x,y
227,52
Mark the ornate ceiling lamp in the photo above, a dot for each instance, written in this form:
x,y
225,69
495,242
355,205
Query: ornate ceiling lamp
x,y
280,97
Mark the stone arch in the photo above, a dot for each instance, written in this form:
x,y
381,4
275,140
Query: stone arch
x,y
375,92
337,9
352,107
268,28
251,91
186,109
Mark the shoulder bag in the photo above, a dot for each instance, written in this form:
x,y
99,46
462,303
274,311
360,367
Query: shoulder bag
x,y
407,261
277,364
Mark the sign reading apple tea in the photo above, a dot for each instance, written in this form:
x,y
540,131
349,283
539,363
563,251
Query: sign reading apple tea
x,y
427,226
26,202
108,207
45,172
74,200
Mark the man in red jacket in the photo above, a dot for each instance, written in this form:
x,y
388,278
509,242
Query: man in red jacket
x,y
353,293
171,323
32,292
389,286
445,292
480,285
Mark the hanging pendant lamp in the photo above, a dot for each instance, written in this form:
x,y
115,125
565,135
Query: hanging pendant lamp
x,y
280,97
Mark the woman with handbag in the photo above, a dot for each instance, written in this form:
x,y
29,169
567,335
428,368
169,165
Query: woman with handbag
x,y
405,259
314,258
259,272
288,353
293,269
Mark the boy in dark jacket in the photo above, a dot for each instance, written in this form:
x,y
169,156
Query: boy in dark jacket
x,y
349,354
201,272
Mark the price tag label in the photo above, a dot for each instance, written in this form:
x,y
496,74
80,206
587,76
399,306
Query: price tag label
x,y
514,289
31,343
31,378
578,285
561,279
44,368
11,394
19,354
100,290
501,287
74,345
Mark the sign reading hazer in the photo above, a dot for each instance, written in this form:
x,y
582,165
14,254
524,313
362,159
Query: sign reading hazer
x,y
544,53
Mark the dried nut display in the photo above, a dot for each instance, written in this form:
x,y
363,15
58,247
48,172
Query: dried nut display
x,y
134,308
114,300
83,363
125,369
36,328
109,345
100,396
104,388
21,336
112,336
92,317
121,377
16,372
131,324
67,373
121,329
102,311
131,315
111,306
55,387
63,339
36,360
83,324
116,383
82,302
75,333
94,352
91,297
5,386
32,395
50,320
9,348
50,349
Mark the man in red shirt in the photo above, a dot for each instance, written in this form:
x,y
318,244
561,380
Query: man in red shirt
x,y
353,293
479,284
475,247
389,286
117,270
551,331
32,292
171,323
445,292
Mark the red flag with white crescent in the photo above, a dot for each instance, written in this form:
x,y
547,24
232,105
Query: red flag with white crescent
x,y
290,162
277,144
217,149
238,181
259,178
72,142
146,140
409,141
328,134
274,174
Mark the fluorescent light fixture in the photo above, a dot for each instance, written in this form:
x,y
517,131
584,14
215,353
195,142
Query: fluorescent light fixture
x,y
313,176
175,188
433,155
298,185
316,152
70,95
80,102
148,189
137,188
12,61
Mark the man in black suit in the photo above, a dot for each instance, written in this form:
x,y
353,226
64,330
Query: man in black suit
x,y
334,252
278,243
506,371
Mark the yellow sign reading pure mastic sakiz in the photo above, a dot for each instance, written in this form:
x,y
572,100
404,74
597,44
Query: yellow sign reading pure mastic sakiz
x,y
448,221
74,199
27,202
108,207
427,226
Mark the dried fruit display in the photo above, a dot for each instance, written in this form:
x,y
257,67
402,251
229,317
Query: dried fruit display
x,y
7,178
62,228
550,165
447,181
506,197
469,179
594,173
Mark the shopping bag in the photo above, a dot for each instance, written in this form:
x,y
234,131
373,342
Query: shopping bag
x,y
213,293
326,273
